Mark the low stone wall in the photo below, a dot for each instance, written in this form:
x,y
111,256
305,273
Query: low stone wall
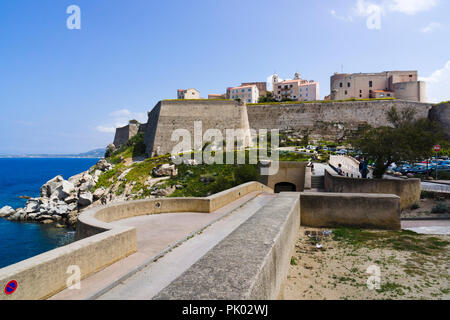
x,y
100,244
46,274
321,209
251,263
407,189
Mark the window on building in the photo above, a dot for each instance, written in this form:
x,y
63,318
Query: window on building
x,y
345,91
306,95
295,97
279,87
306,89
360,95
388,94
370,84
279,91
360,91
340,84
348,84
249,100
249,89
370,91
242,90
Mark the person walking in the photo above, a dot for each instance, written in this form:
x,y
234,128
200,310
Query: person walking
x,y
339,170
364,168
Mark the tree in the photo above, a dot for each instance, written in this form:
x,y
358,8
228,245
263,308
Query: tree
x,y
267,98
407,139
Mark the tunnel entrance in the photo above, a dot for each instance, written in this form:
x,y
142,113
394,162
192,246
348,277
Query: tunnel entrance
x,y
284,187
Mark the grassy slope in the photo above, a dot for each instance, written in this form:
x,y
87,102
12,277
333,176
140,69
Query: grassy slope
x,y
192,181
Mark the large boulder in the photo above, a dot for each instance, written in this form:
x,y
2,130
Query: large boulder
x,y
50,186
85,199
32,206
104,165
165,170
64,190
164,192
99,193
6,211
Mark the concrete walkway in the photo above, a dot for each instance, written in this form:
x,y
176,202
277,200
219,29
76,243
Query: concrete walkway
x,y
156,235
148,282
427,226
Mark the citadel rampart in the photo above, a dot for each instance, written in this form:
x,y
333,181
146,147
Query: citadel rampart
x,y
169,115
327,120
332,121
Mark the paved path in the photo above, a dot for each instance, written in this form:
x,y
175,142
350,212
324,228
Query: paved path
x,y
146,283
155,233
435,186
427,226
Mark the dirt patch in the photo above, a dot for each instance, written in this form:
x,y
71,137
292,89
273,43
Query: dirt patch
x,y
424,207
411,266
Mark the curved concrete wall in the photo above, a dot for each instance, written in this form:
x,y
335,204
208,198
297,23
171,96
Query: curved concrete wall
x,y
322,209
251,263
101,243
407,189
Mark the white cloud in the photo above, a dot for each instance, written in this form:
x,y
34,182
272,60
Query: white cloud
x,y
430,27
269,81
343,18
106,129
120,118
365,8
412,7
374,9
438,84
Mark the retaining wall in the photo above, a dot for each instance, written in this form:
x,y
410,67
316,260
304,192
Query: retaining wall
x,y
321,209
407,189
250,263
100,244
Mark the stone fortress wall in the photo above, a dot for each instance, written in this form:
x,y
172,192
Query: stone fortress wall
x,y
328,120
320,120
169,115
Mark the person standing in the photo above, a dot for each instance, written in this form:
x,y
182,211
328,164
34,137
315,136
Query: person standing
x,y
364,168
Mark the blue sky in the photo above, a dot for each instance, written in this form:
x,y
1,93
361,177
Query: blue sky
x,y
64,91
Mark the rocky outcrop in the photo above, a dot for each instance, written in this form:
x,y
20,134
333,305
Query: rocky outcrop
x,y
61,200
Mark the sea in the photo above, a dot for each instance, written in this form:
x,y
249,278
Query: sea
x,y
24,177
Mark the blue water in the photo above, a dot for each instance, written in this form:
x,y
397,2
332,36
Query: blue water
x,y
24,177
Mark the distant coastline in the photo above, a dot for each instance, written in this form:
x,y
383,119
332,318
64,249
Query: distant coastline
x,y
93,154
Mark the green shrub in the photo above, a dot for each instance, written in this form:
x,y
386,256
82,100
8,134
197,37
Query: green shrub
x,y
415,206
440,207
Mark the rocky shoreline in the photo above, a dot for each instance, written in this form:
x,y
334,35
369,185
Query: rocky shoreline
x,y
61,201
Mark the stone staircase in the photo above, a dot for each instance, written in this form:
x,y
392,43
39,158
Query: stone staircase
x,y
318,182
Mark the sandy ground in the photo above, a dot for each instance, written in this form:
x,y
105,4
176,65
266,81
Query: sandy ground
x,y
410,266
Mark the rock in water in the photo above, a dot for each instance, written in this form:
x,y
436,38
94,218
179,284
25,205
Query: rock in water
x,y
65,189
6,211
50,186
85,199
32,206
